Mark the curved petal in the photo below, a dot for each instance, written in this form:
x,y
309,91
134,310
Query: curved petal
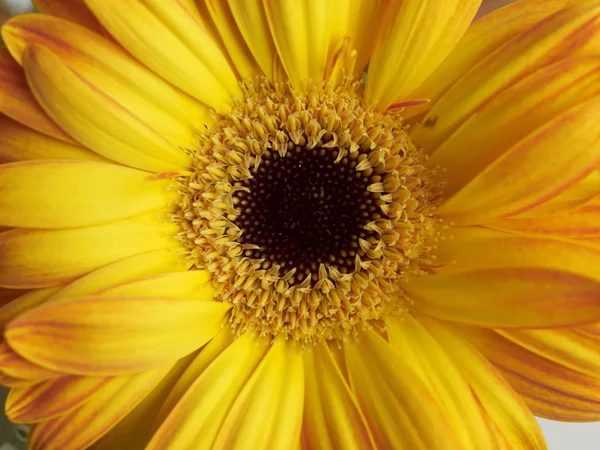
x,y
82,426
170,38
72,10
401,409
17,102
21,143
515,426
512,115
114,335
569,33
549,369
25,302
8,295
533,171
64,194
195,420
332,417
420,34
43,258
51,398
14,365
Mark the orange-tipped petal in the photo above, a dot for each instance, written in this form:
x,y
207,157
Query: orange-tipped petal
x,y
14,365
21,143
51,398
533,171
72,10
332,417
569,33
31,258
82,426
64,194
401,409
420,34
99,336
17,102
172,40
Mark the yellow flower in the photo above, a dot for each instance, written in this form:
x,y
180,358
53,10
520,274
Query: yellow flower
x,y
218,232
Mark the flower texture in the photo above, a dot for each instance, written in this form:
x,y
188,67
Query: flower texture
x,y
283,224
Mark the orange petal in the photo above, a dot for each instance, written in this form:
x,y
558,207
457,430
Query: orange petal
x,y
82,426
171,39
114,335
544,367
512,115
482,39
21,143
25,302
12,382
533,171
401,410
8,295
332,417
17,102
44,258
51,398
72,10
571,32
14,365
64,194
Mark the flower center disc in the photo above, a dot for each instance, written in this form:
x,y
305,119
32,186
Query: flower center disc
x,y
309,209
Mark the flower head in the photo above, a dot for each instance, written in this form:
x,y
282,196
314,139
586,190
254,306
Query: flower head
x,y
299,223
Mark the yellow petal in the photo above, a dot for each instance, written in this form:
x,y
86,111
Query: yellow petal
x,y
72,10
332,417
196,419
238,50
51,398
533,171
63,194
545,368
25,302
114,335
17,102
11,382
452,391
482,38
123,271
252,22
514,423
14,365
364,16
420,34
21,143
44,258
401,410
571,32
82,426
512,115
170,38
301,31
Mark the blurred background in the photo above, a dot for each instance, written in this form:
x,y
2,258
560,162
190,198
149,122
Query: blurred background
x,y
561,436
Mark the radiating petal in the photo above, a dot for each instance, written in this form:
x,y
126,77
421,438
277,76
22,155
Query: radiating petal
x,y
44,258
170,38
72,10
63,194
123,271
549,369
114,335
17,102
301,31
12,382
452,391
512,115
420,34
364,17
51,398
332,417
82,426
400,408
21,143
515,425
483,38
14,365
569,33
25,302
533,171
195,420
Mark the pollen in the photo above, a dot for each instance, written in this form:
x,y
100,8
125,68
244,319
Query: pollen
x,y
309,209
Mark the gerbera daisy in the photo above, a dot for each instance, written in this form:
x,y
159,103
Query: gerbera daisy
x,y
221,230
